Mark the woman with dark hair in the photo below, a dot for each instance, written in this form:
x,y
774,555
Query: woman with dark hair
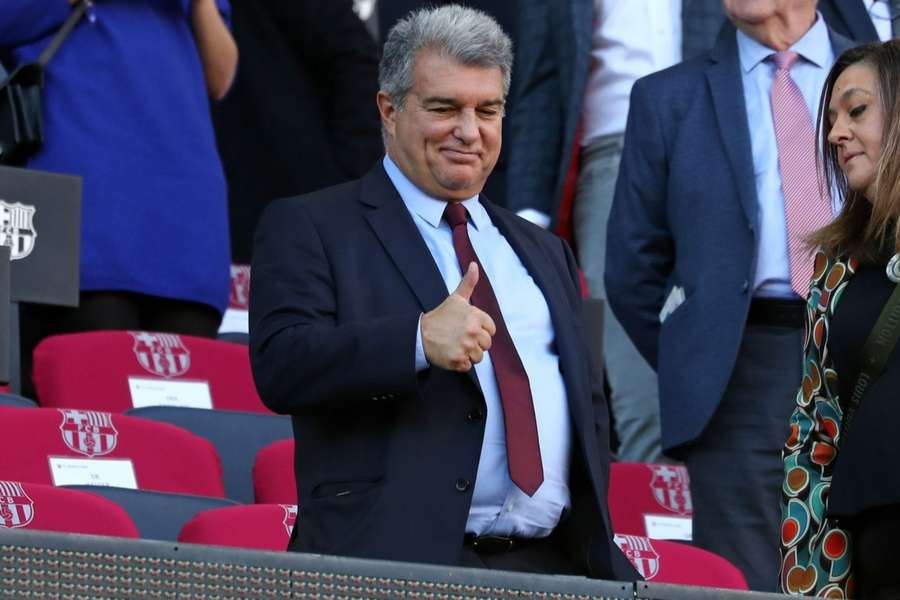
x,y
841,497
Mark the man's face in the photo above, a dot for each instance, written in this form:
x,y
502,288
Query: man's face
x,y
446,138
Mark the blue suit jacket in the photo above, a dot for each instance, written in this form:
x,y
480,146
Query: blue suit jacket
x,y
849,18
685,214
386,456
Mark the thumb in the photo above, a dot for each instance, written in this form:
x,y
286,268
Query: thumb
x,y
469,280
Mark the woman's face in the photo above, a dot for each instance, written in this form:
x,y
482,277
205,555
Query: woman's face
x,y
856,117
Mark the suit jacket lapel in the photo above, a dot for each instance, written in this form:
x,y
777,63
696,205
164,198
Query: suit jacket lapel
x,y
727,89
857,19
548,278
392,223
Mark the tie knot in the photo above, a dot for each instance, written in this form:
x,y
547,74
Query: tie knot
x,y
456,214
785,59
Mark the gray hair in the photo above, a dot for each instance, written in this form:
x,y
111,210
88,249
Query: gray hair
x,y
466,35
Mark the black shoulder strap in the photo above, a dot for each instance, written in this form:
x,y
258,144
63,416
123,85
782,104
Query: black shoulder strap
x,y
875,353
50,51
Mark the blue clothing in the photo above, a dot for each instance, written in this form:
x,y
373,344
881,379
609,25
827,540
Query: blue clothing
x,y
498,506
126,108
773,276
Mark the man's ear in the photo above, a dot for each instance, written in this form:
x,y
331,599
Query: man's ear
x,y
388,111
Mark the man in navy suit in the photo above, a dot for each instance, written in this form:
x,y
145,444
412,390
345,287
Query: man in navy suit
x,y
428,344
856,19
700,270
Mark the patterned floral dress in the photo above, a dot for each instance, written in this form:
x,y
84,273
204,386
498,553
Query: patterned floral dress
x,y
815,551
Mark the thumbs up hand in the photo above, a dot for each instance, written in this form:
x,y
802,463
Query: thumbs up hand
x,y
455,335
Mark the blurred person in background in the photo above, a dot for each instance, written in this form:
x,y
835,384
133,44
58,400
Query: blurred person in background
x,y
126,107
841,492
706,267
300,115
862,20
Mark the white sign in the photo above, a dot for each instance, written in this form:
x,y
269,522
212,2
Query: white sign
x,y
662,527
165,392
114,472
235,321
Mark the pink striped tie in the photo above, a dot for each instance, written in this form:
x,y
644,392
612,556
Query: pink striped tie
x,y
807,206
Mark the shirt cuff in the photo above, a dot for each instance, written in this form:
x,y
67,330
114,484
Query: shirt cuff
x,y
421,361
535,216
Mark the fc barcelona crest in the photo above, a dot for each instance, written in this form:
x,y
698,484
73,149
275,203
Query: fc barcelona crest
x,y
16,508
240,287
640,552
163,354
290,517
88,432
671,488
17,229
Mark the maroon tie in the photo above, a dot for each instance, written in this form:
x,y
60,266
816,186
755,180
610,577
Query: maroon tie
x,y
523,450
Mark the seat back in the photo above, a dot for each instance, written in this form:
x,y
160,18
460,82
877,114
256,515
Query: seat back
x,y
274,481
157,515
663,561
67,446
650,499
35,506
235,321
257,526
237,436
127,369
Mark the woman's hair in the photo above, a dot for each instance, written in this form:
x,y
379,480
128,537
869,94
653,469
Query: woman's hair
x,y
865,227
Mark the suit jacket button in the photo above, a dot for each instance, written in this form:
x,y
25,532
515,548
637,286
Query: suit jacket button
x,y
462,484
474,415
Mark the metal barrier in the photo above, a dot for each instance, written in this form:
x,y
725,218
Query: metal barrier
x,y
79,567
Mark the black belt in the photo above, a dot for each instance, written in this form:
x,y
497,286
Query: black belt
x,y
495,544
776,312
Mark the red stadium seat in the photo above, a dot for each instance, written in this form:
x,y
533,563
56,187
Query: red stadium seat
x,y
661,561
48,508
118,370
234,325
69,446
256,526
273,474
642,493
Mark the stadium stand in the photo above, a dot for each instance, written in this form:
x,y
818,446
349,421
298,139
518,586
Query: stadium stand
x,y
237,436
128,369
68,446
273,474
256,526
28,505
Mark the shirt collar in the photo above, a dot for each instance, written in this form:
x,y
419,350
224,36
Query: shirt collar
x,y
430,209
814,47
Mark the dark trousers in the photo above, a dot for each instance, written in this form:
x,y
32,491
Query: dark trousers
x,y
876,563
735,466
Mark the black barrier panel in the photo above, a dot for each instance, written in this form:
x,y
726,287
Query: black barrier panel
x,y
40,221
4,315
54,565
662,591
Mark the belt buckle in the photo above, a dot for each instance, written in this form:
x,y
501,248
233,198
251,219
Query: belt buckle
x,y
493,544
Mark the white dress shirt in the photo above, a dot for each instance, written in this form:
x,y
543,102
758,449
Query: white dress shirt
x,y
632,38
773,278
498,506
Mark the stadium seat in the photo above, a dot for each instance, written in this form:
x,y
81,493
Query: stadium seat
x,y
35,506
273,474
237,436
235,321
9,399
257,526
651,500
118,370
157,515
67,446
662,561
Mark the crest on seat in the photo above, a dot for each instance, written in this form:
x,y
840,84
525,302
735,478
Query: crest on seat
x,y
16,508
88,432
290,517
240,287
17,229
671,488
162,354
640,552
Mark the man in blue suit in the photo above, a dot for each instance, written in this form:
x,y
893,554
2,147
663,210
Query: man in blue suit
x,y
700,270
428,344
856,19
